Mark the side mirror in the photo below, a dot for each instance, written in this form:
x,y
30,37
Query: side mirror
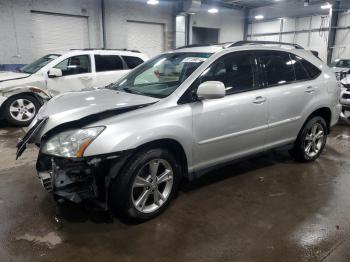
x,y
211,90
54,72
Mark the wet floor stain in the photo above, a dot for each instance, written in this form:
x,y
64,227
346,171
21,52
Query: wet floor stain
x,y
50,240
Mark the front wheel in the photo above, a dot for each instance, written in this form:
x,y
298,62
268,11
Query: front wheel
x,y
311,140
20,110
146,185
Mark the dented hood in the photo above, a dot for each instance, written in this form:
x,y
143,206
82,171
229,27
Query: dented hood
x,y
74,106
4,76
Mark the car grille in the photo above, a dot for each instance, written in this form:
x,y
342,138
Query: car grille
x,y
346,96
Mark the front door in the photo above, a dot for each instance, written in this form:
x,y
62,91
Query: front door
x,y
236,125
76,76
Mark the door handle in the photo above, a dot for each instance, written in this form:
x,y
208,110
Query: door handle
x,y
310,89
259,100
85,78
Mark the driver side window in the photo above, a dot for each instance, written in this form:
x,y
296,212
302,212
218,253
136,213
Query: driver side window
x,y
237,71
75,65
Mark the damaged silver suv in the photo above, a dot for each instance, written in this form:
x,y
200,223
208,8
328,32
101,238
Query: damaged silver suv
x,y
128,146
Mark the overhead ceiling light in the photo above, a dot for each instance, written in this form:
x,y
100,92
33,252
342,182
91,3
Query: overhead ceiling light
x,y
152,2
259,17
213,10
326,6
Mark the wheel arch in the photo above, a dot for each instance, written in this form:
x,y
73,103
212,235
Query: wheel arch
x,y
174,147
325,113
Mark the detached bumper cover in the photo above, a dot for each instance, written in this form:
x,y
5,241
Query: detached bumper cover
x,y
22,144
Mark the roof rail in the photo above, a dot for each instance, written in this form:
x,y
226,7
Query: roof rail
x,y
240,43
108,49
202,45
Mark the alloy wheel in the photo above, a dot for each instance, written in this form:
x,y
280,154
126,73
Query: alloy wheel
x,y
314,140
22,110
152,185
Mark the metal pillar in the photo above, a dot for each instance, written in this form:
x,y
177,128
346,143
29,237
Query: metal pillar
x,y
334,13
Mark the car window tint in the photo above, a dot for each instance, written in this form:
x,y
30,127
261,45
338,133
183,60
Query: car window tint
x,y
311,69
132,61
236,71
300,71
108,63
75,65
278,68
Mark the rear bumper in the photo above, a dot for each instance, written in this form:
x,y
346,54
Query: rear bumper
x,y
336,114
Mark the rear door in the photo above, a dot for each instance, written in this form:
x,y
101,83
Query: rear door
x,y
288,91
233,126
109,68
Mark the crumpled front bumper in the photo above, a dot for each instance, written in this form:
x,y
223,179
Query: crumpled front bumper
x,y
80,180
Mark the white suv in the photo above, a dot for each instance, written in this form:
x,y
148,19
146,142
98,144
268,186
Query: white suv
x,y
23,92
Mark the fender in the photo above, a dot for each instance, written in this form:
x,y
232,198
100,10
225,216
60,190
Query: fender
x,y
27,89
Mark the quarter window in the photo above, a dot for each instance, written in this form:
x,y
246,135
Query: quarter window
x,y
132,61
278,68
311,69
300,71
75,65
236,71
108,63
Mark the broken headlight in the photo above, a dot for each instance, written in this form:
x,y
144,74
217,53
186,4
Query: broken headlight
x,y
71,143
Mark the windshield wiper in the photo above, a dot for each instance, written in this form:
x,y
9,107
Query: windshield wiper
x,y
131,91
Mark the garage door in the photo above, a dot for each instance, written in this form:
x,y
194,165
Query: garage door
x,y
56,33
145,37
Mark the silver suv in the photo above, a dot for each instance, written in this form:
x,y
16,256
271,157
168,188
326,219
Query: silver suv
x,y
128,146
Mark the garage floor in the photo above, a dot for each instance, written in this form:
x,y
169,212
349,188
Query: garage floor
x,y
266,209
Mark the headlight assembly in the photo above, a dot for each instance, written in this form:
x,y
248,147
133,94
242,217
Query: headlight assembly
x,y
71,143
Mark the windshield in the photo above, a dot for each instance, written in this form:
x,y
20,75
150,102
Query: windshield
x,y
38,64
341,63
162,75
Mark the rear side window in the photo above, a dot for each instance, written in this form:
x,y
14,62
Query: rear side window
x,y
310,68
132,61
278,68
108,63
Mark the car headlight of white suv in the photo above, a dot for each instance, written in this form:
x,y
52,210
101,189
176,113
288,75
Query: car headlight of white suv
x,y
71,143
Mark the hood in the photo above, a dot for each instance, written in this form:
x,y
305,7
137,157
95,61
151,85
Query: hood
x,y
5,76
77,105
339,69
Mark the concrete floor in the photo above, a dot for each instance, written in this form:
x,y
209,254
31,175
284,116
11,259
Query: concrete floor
x,y
267,209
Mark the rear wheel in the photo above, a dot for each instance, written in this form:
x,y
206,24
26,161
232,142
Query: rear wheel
x,y
146,185
311,140
20,110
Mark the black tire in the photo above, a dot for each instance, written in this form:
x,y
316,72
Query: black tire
x,y
10,118
121,188
299,150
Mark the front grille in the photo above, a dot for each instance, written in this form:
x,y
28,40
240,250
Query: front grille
x,y
346,96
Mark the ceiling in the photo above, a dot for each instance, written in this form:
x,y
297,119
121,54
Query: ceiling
x,y
247,3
